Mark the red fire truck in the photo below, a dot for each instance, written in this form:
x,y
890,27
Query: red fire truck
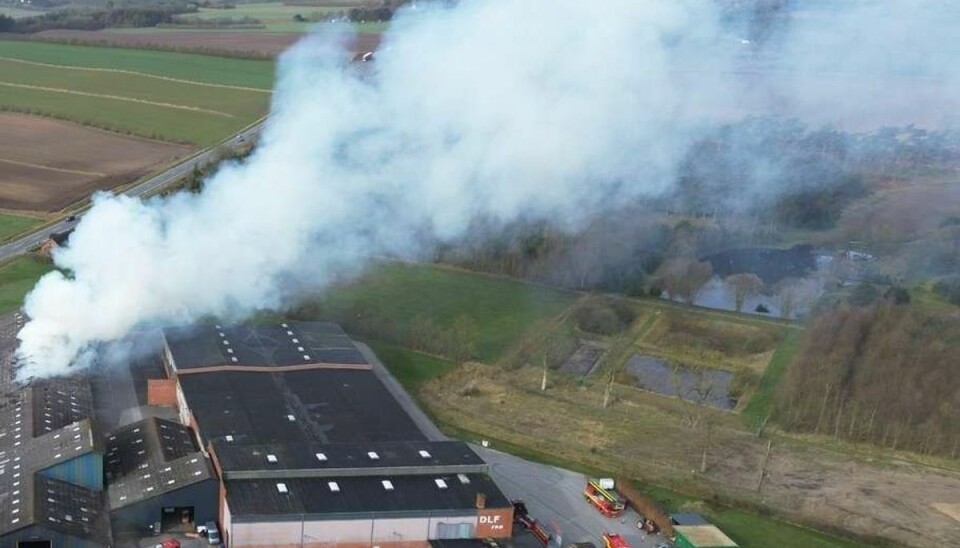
x,y
614,541
602,495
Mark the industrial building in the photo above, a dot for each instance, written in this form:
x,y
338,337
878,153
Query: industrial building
x,y
285,434
312,449
51,480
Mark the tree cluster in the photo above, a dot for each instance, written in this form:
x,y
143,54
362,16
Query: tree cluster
x,y
82,19
603,315
884,374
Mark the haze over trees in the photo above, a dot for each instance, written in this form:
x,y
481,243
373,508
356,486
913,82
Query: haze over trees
x,y
743,286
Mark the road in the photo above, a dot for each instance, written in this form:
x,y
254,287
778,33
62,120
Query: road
x,y
144,188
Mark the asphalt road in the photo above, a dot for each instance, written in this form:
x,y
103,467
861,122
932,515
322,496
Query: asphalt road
x,y
554,497
146,187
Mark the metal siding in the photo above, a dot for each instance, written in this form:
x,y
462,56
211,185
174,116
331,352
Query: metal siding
x,y
203,497
86,470
59,540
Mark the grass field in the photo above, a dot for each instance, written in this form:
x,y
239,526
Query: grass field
x,y
170,96
410,368
399,294
17,13
11,225
17,278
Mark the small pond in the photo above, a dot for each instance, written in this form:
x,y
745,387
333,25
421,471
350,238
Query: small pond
x,y
658,376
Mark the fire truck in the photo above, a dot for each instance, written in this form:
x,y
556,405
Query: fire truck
x,y
600,493
614,541
522,517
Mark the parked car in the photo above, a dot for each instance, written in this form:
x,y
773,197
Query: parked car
x,y
71,218
213,534
171,543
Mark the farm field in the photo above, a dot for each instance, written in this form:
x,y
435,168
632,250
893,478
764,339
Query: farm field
x,y
233,42
279,17
11,225
46,164
168,96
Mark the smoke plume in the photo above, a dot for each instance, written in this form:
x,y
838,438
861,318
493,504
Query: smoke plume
x,y
493,109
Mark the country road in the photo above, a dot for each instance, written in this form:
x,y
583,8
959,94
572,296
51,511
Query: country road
x,y
145,188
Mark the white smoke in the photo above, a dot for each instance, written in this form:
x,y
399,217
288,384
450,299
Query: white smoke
x,y
500,109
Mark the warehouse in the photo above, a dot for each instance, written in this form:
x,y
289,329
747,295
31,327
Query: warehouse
x,y
51,484
158,479
311,447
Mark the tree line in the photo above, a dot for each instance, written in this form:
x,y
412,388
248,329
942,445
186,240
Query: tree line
x,y
96,19
882,374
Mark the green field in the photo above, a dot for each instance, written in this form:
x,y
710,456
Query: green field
x,y
11,225
170,96
409,367
277,17
17,278
399,294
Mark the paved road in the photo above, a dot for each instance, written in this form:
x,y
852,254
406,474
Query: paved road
x,y
153,184
554,497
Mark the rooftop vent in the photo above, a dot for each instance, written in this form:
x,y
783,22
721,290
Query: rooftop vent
x,y
334,487
271,458
291,418
229,437
440,483
373,455
463,479
387,484
321,457
306,357
424,454
282,487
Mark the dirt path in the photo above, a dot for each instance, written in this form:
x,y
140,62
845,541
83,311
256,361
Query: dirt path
x,y
135,73
118,98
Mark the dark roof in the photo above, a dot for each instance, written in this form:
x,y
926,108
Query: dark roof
x,y
310,406
151,457
27,497
58,402
261,345
71,509
688,518
262,461
410,495
61,238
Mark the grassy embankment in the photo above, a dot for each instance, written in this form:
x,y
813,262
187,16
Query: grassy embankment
x,y
169,96
502,308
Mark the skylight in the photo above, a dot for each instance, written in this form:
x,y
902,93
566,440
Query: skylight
x,y
334,487
440,483
321,457
424,454
373,455
271,458
387,484
282,487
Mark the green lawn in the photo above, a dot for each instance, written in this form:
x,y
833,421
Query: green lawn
x,y
17,278
398,294
409,367
18,13
11,225
140,104
187,66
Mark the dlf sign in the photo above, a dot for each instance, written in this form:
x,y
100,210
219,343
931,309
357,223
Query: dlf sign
x,y
493,522
497,523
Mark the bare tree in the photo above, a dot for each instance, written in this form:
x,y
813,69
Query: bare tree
x,y
684,277
742,287
794,294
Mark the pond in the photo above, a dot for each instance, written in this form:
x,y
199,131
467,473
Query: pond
x,y
657,375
